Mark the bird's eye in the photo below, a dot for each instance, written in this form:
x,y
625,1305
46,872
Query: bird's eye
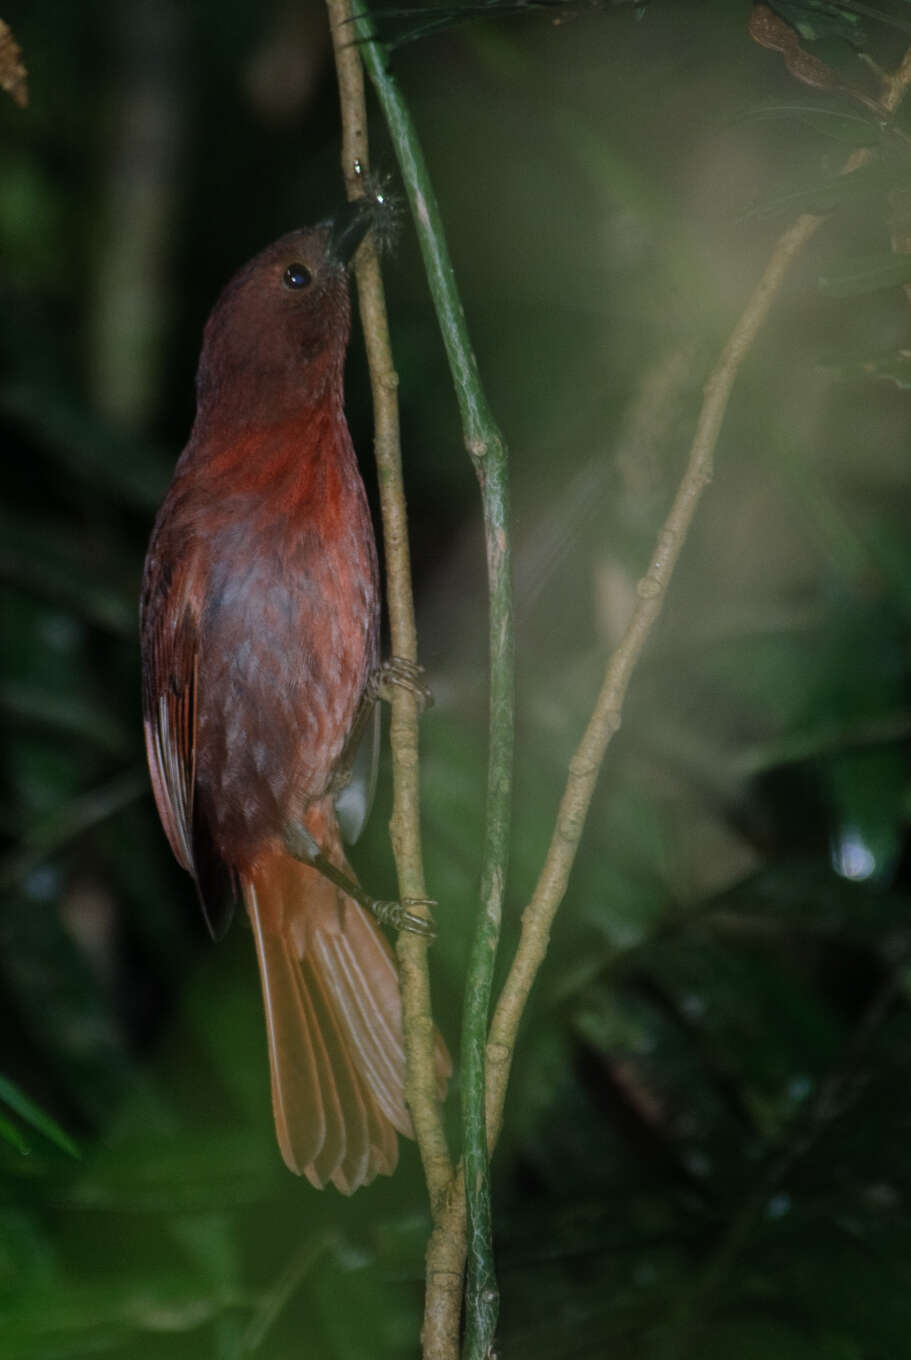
x,y
297,276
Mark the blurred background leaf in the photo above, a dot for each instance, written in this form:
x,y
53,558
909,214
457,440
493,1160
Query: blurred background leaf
x,y
706,1141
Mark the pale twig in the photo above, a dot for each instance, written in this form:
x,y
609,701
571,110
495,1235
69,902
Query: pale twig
x,y
586,764
446,1252
421,1090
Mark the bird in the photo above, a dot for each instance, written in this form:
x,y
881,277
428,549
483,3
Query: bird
x,y
259,631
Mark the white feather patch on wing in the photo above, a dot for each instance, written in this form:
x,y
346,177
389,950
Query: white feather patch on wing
x,y
170,736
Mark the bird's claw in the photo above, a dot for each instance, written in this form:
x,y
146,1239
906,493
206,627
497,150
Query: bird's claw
x,y
397,671
397,915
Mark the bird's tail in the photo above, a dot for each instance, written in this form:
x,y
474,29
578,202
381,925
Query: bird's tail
x,y
334,1024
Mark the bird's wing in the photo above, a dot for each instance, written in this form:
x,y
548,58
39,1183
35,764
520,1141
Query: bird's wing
x,y
170,660
169,627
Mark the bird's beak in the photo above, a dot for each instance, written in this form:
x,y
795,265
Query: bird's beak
x,y
348,227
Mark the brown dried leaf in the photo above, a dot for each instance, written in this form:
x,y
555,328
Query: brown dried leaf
x,y
769,30
13,75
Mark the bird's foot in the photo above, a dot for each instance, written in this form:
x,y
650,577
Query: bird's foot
x,y
404,674
400,917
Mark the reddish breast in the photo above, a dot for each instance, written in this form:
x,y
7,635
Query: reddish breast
x,y
288,625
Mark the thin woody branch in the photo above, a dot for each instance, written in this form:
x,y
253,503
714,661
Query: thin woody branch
x,y
487,451
443,1254
405,822
587,761
585,765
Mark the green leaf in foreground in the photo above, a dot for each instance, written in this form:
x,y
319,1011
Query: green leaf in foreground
x,y
32,1114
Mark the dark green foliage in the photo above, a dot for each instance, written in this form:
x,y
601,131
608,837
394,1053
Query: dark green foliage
x,y
817,20
706,1150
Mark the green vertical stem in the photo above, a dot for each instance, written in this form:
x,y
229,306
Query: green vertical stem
x,y
487,451
421,1089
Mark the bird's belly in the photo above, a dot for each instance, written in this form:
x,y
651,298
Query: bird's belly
x,y
288,641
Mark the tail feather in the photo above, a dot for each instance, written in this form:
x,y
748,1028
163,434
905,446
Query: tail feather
x,y
353,966
334,1026
300,1120
347,1142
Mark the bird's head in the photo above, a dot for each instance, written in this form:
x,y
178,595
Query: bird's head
x,y
278,332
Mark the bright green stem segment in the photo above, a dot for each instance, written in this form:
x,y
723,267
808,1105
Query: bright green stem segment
x,y
489,457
